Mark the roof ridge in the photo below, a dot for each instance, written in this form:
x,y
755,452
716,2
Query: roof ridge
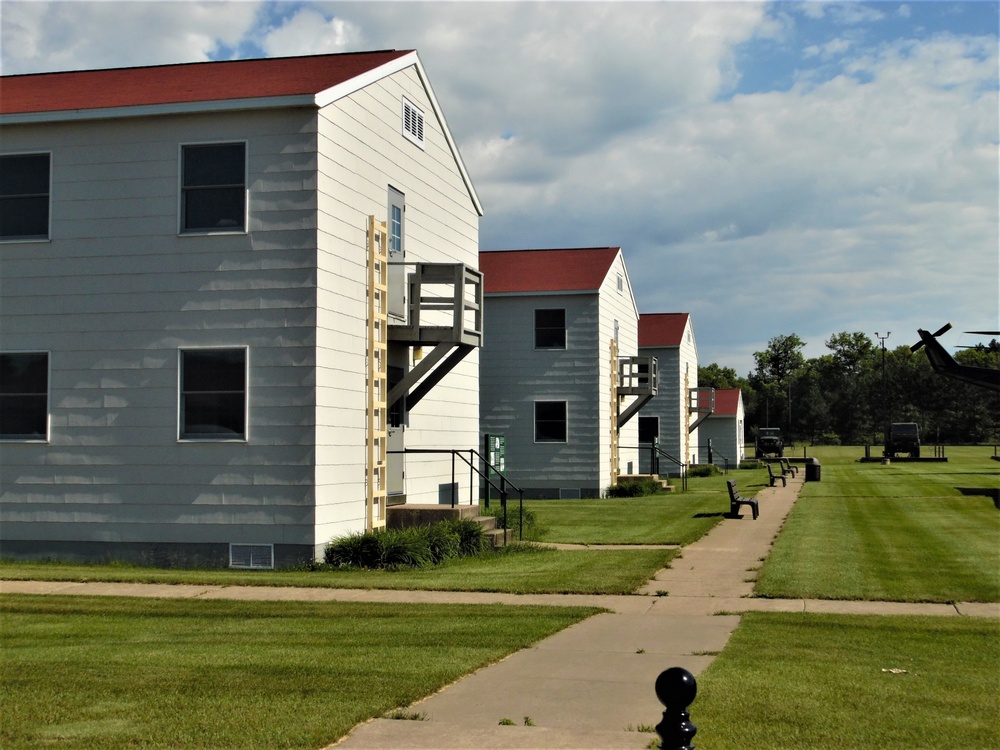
x,y
199,62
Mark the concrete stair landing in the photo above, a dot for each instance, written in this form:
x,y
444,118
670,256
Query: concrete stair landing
x,y
409,516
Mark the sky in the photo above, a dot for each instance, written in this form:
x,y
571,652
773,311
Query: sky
x,y
769,168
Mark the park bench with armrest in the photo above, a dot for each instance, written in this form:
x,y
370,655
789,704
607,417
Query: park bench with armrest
x,y
735,501
787,469
772,476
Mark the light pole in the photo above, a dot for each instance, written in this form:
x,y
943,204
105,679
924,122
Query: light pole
x,y
885,426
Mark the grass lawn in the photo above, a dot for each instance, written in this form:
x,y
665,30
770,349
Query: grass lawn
x,y
813,681
518,570
86,672
902,532
672,518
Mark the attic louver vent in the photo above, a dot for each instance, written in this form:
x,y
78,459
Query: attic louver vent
x,y
413,123
259,556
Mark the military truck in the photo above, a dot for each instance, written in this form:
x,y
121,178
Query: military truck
x,y
769,443
904,437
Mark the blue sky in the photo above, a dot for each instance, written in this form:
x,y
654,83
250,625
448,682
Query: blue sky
x,y
771,168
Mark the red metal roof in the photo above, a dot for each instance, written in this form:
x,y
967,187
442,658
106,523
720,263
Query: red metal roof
x,y
185,83
562,270
726,402
662,329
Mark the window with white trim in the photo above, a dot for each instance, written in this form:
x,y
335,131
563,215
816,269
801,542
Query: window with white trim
x,y
413,123
550,328
213,187
550,421
213,394
24,396
25,196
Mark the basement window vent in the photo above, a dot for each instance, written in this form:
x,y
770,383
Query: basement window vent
x,y
256,556
569,494
413,123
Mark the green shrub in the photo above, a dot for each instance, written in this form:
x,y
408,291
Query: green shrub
x,y
704,470
393,549
749,464
360,550
444,541
405,548
471,537
634,488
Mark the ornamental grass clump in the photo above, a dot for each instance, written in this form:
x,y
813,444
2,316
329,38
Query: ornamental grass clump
x,y
398,549
635,488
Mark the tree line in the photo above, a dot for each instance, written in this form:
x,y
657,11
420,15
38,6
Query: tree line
x,y
849,396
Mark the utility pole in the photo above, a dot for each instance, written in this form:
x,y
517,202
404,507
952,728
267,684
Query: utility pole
x,y
883,410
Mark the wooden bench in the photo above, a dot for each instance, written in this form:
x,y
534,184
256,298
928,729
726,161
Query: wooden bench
x,y
735,501
787,468
773,477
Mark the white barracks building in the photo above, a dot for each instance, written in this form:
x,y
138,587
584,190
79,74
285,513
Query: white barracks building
x,y
232,294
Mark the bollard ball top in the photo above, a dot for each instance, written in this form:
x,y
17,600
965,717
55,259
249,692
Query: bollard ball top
x,y
676,687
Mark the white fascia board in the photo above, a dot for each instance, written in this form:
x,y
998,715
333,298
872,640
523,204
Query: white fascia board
x,y
330,95
110,113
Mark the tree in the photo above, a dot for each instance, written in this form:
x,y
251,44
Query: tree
x,y
772,377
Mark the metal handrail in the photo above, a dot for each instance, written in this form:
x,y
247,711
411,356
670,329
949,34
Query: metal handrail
x,y
501,488
656,451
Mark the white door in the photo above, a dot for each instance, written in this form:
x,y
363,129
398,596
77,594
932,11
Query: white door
x,y
396,212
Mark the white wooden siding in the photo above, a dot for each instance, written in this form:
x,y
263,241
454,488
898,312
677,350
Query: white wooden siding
x,y
113,296
363,152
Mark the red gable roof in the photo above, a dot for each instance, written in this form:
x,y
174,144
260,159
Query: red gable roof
x,y
662,329
525,271
185,83
726,402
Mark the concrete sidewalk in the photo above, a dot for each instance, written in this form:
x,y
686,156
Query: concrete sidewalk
x,y
590,686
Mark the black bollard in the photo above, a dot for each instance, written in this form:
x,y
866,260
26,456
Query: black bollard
x,y
676,689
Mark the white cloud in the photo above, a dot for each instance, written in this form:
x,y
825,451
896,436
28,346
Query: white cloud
x,y
864,197
38,37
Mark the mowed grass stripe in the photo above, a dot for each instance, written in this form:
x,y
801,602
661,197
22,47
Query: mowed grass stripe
x,y
898,533
827,681
108,672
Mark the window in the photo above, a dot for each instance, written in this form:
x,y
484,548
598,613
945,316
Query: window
x,y
24,196
616,333
621,284
24,396
550,421
550,329
213,188
413,123
213,394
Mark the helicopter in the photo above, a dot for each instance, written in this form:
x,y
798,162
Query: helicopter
x,y
944,364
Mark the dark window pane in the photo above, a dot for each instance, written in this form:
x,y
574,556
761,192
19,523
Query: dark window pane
x,y
220,414
550,329
550,421
24,196
214,208
23,417
25,174
24,400
24,217
214,164
213,393
214,187
24,373
214,370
